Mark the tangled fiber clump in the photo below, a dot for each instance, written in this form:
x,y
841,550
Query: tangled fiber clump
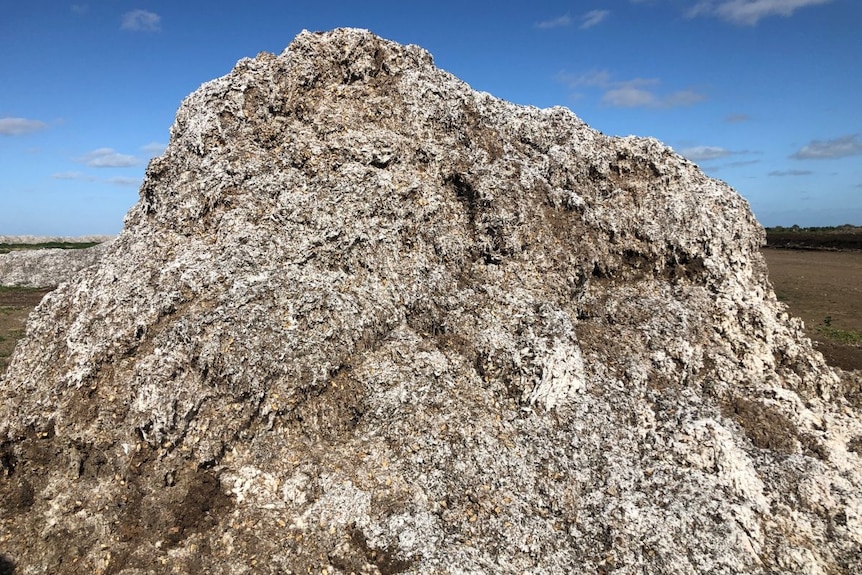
x,y
364,319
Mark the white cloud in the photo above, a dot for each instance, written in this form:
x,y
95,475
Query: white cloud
x,y
630,96
827,149
719,167
79,9
19,126
635,93
737,118
681,98
597,78
141,20
790,172
560,22
750,12
120,181
712,153
593,17
108,158
154,148
80,176
705,153
743,162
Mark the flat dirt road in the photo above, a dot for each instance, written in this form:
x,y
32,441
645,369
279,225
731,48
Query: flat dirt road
x,y
824,288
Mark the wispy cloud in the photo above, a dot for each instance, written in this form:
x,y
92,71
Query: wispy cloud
x,y
712,168
737,118
82,177
593,17
154,148
713,153
780,173
587,20
827,149
19,126
141,21
120,181
749,12
705,153
79,9
634,93
595,78
559,22
108,158
79,176
680,98
741,163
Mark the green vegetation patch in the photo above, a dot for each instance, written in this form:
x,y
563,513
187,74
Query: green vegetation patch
x,y
845,336
19,289
6,248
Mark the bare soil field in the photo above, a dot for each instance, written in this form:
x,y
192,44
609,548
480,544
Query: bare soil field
x,y
15,306
843,238
824,288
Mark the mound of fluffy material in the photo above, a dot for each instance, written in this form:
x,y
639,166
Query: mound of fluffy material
x,y
46,267
365,319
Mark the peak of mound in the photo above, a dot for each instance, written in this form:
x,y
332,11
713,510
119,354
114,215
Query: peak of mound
x,y
364,319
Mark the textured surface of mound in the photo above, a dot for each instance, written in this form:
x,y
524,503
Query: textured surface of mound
x,y
364,319
46,267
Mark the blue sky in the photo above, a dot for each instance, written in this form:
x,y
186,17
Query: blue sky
x,y
764,94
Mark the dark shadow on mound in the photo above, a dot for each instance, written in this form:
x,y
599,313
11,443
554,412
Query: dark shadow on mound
x,y
7,566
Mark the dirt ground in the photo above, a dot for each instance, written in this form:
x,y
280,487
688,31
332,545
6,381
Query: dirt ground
x,y
15,306
824,288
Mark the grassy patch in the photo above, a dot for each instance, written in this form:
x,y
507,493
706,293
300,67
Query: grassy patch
x,y
19,289
845,336
6,309
6,248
